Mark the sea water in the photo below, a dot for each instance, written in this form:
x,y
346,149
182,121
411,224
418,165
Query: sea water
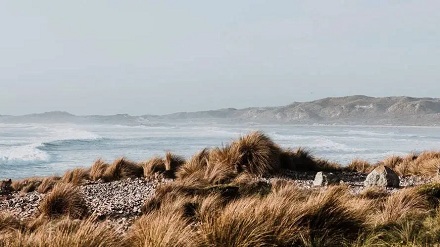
x,y
51,149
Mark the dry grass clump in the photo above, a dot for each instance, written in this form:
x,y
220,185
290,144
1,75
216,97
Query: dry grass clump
x,y
47,184
161,230
373,192
392,161
121,169
9,223
426,164
197,164
26,185
321,219
302,160
175,194
423,164
63,200
256,154
220,168
238,224
401,205
166,167
76,176
172,164
358,165
98,169
154,167
66,233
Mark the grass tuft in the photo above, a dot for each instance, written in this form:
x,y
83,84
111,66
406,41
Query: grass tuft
x,y
98,169
63,200
256,154
47,184
76,176
122,169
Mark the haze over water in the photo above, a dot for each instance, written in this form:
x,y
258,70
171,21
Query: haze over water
x,y
50,149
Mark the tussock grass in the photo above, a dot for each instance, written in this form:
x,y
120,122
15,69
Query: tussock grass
x,y
121,169
163,167
291,221
161,230
9,223
359,165
392,161
401,205
256,154
423,164
197,164
221,166
65,233
76,176
154,167
302,160
47,184
373,193
26,185
98,169
63,200
172,164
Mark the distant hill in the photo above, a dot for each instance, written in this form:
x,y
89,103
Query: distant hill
x,y
356,109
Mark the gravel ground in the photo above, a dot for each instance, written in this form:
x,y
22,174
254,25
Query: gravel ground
x,y
119,203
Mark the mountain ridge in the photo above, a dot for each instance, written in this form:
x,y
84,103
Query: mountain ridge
x,y
355,109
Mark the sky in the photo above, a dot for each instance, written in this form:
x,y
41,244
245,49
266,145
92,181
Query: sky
x,y
159,57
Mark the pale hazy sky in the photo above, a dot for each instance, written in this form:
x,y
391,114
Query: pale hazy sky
x,y
139,57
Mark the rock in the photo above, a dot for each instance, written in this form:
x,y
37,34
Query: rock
x,y
325,178
382,176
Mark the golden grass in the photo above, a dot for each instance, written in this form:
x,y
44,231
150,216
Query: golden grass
x,y
373,192
63,200
76,176
154,167
9,223
423,164
121,169
196,164
162,230
172,164
220,166
26,185
66,233
291,221
47,184
358,165
256,154
98,169
401,205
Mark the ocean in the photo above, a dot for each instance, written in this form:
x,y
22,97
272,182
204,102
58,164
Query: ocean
x,y
51,149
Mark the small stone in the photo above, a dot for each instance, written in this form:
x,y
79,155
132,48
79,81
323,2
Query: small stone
x,y
382,176
325,178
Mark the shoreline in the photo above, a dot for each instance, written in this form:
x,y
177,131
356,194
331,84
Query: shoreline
x,y
249,176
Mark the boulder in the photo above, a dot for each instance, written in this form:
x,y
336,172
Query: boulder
x,y
382,176
326,178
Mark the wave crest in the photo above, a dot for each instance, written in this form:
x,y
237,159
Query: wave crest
x,y
24,154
